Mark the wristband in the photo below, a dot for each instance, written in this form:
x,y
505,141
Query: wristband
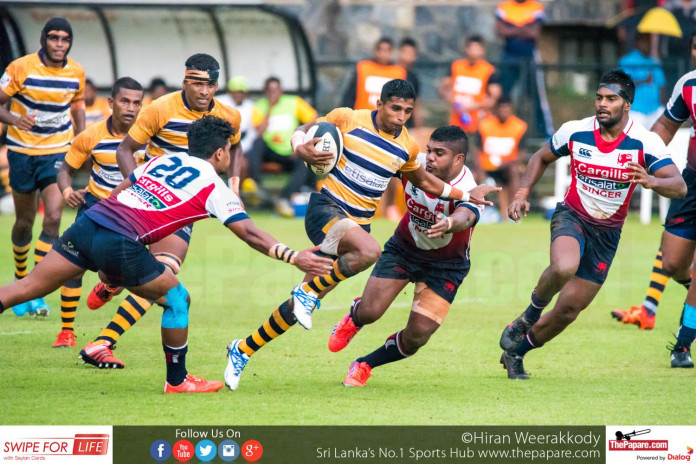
x,y
282,253
67,192
297,139
454,193
450,223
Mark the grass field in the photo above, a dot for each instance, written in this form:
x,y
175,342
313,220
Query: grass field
x,y
597,372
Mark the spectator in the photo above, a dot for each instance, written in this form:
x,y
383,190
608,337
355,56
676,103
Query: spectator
x,y
519,23
679,48
96,108
237,97
407,54
649,79
156,89
275,117
502,134
366,81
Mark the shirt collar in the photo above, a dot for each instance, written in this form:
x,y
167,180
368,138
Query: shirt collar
x,y
374,123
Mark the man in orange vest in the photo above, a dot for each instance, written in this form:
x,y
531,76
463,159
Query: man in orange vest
x,y
472,88
369,76
501,137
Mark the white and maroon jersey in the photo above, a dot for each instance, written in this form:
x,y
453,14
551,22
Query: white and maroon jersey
x,y
681,107
168,193
422,214
600,187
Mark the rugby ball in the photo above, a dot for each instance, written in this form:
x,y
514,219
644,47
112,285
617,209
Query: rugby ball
x,y
331,142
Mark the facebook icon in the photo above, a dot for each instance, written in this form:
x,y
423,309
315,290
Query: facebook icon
x,y
160,450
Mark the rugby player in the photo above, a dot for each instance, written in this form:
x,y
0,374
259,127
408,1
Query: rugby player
x,y
162,125
430,247
153,202
678,242
610,155
376,147
96,144
45,88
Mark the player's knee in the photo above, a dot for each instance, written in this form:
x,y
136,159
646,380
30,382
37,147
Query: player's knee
x,y
176,308
23,225
368,254
569,312
368,313
562,271
170,260
672,267
51,222
413,340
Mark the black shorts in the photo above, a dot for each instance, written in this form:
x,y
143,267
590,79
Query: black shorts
x,y
597,244
185,233
681,217
442,278
321,210
124,262
29,173
90,200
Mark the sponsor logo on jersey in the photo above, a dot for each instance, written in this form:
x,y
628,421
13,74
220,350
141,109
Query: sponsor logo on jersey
x,y
606,172
603,184
584,153
624,158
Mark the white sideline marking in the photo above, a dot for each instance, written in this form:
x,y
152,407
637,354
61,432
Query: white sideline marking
x,y
17,333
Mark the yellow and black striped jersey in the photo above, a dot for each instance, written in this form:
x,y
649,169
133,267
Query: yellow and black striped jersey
x,y
46,93
370,159
164,123
99,143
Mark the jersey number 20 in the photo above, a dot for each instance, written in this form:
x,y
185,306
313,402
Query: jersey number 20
x,y
180,177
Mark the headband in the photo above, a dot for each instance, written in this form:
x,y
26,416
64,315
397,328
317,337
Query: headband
x,y
618,90
209,75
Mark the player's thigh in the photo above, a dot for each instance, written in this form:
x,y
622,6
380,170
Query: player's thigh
x,y
157,287
677,253
176,243
358,240
379,294
25,206
565,253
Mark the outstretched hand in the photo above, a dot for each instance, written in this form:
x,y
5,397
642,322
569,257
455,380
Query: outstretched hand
x,y
310,263
478,193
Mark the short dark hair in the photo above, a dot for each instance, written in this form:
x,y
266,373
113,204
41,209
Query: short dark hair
x,y
202,62
504,100
89,82
475,38
269,80
398,88
408,42
622,78
156,82
453,135
386,40
208,134
125,83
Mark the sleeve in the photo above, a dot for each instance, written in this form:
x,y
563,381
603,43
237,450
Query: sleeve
x,y
494,78
80,94
79,151
341,117
560,141
413,162
12,79
468,184
147,124
677,109
304,111
656,154
234,117
223,204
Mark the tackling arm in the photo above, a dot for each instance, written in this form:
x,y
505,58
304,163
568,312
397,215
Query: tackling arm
x,y
535,169
434,186
461,219
124,155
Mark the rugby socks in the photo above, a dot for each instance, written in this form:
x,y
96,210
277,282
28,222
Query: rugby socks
x,y
20,252
686,283
130,312
43,246
658,280
354,312
391,351
280,321
340,272
528,343
69,297
687,328
535,308
176,363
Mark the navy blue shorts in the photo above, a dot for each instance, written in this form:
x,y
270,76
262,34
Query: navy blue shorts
x,y
681,217
90,200
124,262
597,244
29,173
185,233
442,278
321,210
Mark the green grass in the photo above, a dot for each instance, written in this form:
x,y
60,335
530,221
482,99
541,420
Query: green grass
x,y
596,372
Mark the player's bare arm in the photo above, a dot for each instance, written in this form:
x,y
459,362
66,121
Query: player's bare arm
x,y
665,128
434,186
306,151
461,219
264,243
667,180
535,169
77,111
124,155
25,122
73,198
235,169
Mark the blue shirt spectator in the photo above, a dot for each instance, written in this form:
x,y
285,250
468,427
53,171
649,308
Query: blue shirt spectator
x,y
647,74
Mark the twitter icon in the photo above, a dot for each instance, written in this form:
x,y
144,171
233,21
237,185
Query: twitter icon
x,y
206,450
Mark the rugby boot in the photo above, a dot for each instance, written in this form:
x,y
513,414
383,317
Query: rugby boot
x,y
514,366
514,333
358,373
101,356
193,384
65,339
